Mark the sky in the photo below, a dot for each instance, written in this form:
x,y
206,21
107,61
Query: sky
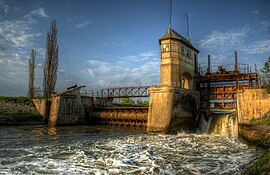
x,y
112,43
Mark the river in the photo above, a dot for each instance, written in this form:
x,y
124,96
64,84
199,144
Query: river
x,y
117,150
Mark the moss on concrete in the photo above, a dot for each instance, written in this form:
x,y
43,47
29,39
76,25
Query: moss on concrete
x,y
256,134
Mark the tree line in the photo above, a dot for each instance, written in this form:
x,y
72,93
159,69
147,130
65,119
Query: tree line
x,y
132,103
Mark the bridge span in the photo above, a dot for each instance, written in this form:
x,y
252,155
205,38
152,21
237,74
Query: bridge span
x,y
126,92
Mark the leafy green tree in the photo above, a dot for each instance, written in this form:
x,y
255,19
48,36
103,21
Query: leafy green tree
x,y
142,103
266,75
31,69
51,62
127,102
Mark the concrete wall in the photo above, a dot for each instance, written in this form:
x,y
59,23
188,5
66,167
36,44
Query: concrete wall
x,y
67,109
252,103
185,109
172,109
42,106
54,111
160,109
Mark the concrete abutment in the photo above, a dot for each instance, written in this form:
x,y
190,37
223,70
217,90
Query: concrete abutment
x,y
172,109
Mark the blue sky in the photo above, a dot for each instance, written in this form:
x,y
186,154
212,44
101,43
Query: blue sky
x,y
108,43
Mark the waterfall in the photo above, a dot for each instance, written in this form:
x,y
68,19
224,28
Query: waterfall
x,y
204,123
220,123
224,124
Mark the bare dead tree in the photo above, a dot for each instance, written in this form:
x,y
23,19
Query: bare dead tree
x,y
51,62
31,70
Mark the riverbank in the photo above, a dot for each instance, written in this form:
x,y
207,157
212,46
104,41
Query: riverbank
x,y
258,135
19,111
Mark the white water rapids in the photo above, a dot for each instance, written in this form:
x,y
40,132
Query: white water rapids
x,y
117,150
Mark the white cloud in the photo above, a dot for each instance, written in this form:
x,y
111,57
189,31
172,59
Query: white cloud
x,y
83,24
265,25
223,40
79,21
255,12
40,12
4,8
258,47
127,73
146,56
17,33
110,43
17,38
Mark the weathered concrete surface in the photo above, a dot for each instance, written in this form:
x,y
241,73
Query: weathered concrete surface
x,y
171,109
67,108
185,109
160,109
169,65
42,106
256,134
252,103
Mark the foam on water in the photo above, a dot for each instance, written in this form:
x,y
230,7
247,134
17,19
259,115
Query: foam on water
x,y
80,150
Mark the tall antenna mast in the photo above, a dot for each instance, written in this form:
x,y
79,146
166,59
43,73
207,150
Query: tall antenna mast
x,y
188,28
171,13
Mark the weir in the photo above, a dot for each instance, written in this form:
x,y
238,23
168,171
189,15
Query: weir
x,y
189,98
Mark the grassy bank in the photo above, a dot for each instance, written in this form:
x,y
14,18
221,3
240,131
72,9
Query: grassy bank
x,y
18,110
17,100
258,133
262,166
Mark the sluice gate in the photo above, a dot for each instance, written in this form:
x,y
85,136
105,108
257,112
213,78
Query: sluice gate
x,y
132,116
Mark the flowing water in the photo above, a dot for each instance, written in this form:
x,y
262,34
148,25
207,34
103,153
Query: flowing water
x,y
117,150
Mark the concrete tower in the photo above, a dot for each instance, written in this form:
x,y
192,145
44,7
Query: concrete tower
x,y
172,105
179,60
169,62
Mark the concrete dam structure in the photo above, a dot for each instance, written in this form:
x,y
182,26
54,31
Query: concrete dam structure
x,y
185,100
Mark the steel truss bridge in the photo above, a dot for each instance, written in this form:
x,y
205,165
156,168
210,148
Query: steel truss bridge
x,y
125,92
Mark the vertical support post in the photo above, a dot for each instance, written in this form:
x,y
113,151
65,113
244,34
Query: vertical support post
x,y
209,65
235,62
196,64
208,83
236,76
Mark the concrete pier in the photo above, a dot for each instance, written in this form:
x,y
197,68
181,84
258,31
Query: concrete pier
x,y
172,109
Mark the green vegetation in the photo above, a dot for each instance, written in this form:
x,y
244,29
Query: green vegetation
x,y
265,121
131,103
17,100
266,75
142,103
262,166
19,113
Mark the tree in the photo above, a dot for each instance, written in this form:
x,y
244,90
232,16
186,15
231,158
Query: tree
x,y
142,103
51,62
266,75
127,102
31,69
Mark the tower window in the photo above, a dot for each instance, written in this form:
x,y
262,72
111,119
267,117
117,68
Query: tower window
x,y
164,47
188,53
182,50
174,48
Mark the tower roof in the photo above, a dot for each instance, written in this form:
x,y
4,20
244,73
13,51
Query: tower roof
x,y
171,34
